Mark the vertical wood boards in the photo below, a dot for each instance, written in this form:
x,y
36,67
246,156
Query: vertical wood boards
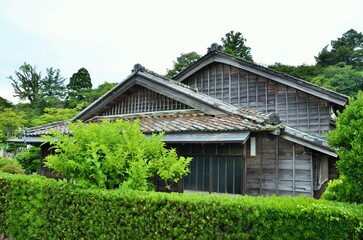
x,y
280,167
244,89
144,100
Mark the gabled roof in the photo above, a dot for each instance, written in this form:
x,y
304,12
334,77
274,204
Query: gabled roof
x,y
192,126
215,55
167,87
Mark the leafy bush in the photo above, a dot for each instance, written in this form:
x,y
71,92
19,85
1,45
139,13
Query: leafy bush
x,y
29,159
10,166
112,155
33,207
54,115
348,139
340,190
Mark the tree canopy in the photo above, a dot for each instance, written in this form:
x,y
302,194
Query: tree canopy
x,y
304,71
235,44
4,103
181,63
27,83
341,78
79,82
10,123
41,92
347,49
347,138
54,115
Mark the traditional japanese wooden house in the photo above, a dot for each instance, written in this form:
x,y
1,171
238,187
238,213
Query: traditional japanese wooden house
x,y
250,130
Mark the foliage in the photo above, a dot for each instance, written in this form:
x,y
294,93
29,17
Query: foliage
x,y
27,83
10,166
78,83
112,155
347,49
89,96
181,63
342,191
348,139
54,115
53,84
341,78
41,92
11,122
94,94
30,112
38,208
4,103
235,45
53,90
29,159
306,72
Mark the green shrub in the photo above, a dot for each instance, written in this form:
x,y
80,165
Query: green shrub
x,y
10,166
347,138
33,207
114,155
342,191
29,159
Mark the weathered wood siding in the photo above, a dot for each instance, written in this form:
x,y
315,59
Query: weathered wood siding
x,y
280,167
142,100
244,89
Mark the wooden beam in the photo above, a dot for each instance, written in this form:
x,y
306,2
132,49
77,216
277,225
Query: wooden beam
x,y
222,83
277,164
248,91
266,96
244,170
229,84
239,89
293,170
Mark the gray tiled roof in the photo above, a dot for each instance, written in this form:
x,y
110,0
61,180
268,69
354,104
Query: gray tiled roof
x,y
192,121
171,122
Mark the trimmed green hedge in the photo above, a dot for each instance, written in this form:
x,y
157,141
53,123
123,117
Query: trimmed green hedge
x,y
33,207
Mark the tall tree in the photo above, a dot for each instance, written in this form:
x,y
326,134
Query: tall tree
x,y
53,90
27,83
53,84
347,49
181,63
347,138
235,45
80,81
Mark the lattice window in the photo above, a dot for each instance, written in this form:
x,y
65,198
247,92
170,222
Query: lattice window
x,y
145,100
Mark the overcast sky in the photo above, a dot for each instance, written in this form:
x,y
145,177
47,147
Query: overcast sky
x,y
108,37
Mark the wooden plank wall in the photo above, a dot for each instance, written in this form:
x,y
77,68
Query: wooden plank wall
x,y
244,89
144,100
280,167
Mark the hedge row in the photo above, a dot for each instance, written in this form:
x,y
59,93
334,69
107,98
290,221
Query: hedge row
x,y
32,207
